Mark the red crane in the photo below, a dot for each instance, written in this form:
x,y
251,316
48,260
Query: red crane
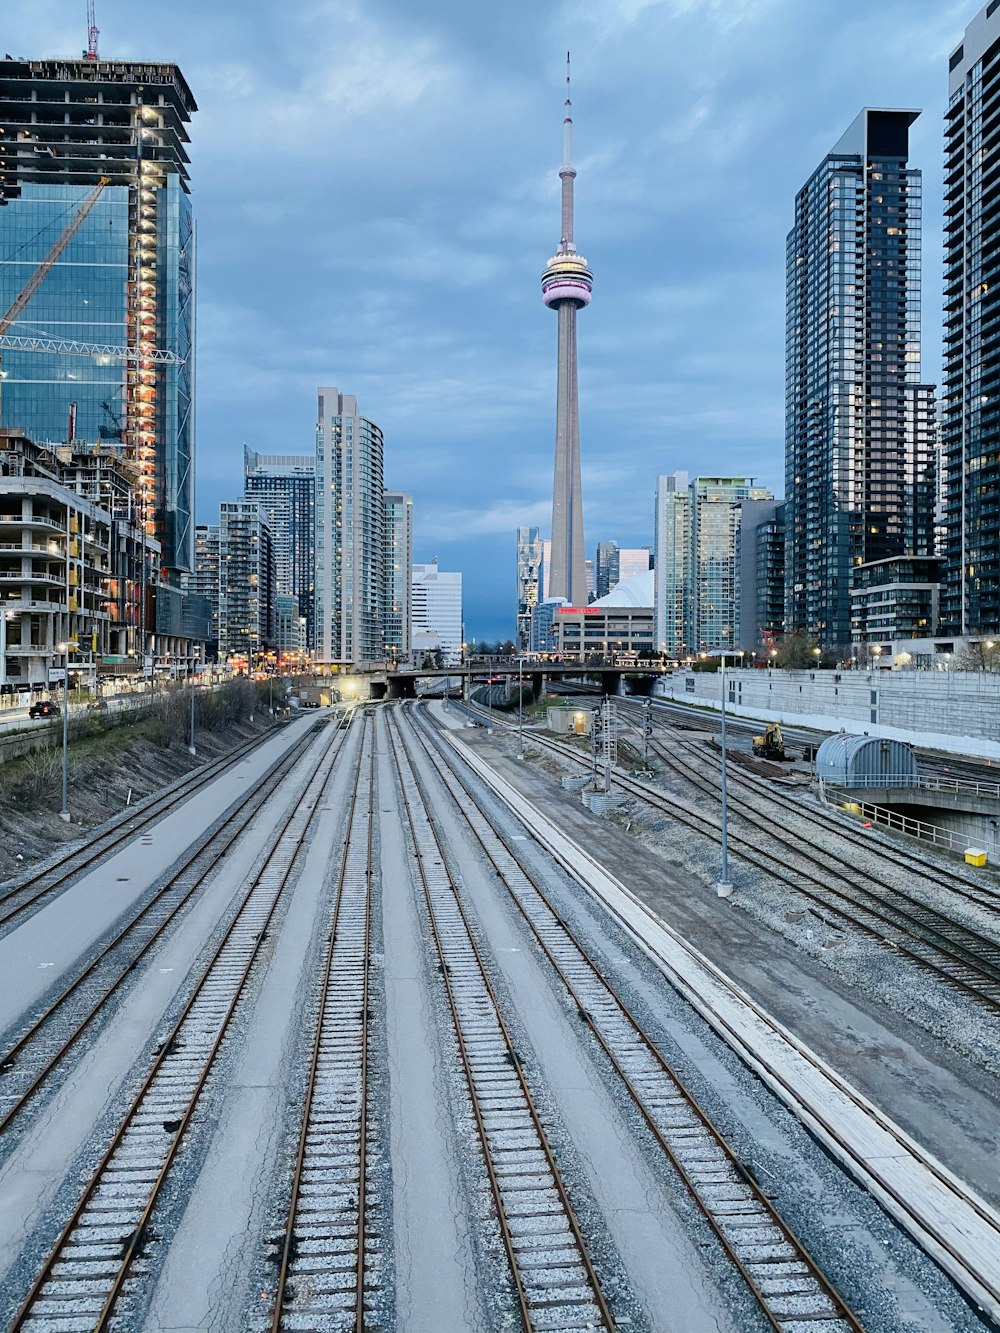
x,y
93,32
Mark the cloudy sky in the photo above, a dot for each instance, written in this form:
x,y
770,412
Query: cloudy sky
x,y
376,193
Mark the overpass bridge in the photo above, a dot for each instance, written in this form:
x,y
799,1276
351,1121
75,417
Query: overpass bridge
x,y
608,674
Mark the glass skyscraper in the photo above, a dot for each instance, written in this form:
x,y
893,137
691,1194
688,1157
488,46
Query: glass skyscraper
x,y
70,130
285,486
859,432
970,600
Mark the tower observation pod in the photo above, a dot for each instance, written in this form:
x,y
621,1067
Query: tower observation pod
x,y
566,287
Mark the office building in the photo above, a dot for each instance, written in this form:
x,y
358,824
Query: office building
x,y
859,432
588,569
529,574
623,623
970,406
101,145
285,485
436,613
566,287
246,583
350,533
398,574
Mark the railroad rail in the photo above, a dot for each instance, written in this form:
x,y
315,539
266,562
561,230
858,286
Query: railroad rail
x,y
912,863
331,1263
41,1047
774,1263
964,959
553,1276
35,890
99,1255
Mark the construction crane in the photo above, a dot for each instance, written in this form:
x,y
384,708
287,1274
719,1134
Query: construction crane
x,y
45,267
93,33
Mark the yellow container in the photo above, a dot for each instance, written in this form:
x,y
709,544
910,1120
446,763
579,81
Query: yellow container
x,y
852,808
975,856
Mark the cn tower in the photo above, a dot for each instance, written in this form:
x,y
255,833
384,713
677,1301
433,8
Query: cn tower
x,y
566,285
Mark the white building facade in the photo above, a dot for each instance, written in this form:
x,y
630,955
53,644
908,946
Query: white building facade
x,y
436,613
350,533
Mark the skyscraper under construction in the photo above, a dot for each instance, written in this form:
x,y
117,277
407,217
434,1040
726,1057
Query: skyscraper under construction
x,y
103,349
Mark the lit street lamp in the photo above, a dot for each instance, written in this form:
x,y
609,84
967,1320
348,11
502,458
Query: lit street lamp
x,y
64,812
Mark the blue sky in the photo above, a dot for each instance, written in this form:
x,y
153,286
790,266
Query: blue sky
x,y
376,193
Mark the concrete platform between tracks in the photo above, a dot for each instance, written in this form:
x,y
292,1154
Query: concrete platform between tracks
x,y
43,946
949,1220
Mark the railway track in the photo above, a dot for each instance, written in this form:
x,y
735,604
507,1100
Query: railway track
x,y
331,1263
769,1256
552,1274
17,901
98,1260
739,777
34,1052
965,960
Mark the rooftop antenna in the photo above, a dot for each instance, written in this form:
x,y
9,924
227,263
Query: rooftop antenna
x,y
93,32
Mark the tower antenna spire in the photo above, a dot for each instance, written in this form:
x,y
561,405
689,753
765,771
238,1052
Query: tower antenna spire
x,y
566,285
93,32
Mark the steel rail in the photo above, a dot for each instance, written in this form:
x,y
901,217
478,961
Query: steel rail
x,y
596,1298
357,988
918,1223
108,841
215,848
973,973
932,920
247,933
909,861
554,936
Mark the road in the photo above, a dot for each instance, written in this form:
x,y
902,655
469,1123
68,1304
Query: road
x,y
451,1210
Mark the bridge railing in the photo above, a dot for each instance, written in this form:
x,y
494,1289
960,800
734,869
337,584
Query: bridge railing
x,y
907,781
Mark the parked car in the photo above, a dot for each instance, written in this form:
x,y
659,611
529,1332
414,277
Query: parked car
x,y
43,708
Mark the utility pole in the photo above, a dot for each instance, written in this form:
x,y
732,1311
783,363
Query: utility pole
x,y
520,708
595,738
64,814
647,728
609,723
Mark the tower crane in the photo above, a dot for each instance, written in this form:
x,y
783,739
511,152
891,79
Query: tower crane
x,y
93,33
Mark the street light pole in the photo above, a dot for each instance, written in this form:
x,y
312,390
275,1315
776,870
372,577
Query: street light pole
x,y
64,814
191,682
520,708
724,887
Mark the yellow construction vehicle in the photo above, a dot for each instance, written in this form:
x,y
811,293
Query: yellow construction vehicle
x,y
771,745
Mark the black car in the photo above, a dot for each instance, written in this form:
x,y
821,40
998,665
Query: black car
x,y
44,708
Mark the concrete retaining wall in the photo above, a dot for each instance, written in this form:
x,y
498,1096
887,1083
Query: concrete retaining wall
x,y
957,711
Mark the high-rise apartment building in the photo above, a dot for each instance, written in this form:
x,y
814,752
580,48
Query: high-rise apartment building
x,y
529,575
762,574
204,581
673,584
350,533
632,560
436,612
398,573
285,485
697,567
246,581
102,144
970,601
859,425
